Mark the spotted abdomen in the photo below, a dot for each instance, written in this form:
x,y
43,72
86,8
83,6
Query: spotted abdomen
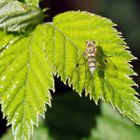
x,y
90,53
92,64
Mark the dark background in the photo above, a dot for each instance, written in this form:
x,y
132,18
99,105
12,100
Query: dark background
x,y
72,117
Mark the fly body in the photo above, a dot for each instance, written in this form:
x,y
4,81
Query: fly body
x,y
90,54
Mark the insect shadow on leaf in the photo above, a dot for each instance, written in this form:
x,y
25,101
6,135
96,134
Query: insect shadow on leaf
x,y
103,61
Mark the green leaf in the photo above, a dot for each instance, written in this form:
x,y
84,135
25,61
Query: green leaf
x,y
5,39
111,81
40,133
33,2
28,60
17,17
25,80
112,126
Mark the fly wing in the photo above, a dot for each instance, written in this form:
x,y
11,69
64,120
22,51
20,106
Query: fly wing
x,y
85,55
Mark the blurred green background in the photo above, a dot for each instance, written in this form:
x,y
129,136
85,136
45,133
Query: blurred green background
x,y
75,118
